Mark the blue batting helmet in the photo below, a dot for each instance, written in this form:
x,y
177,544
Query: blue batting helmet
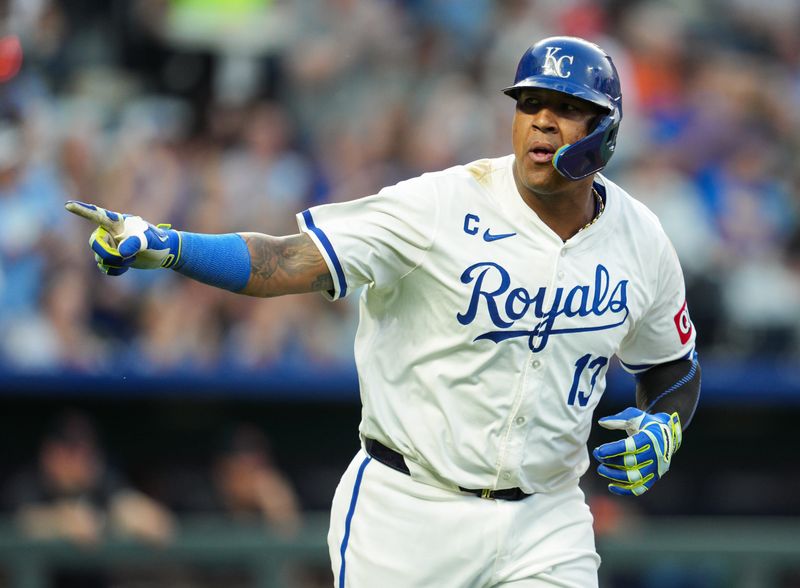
x,y
582,70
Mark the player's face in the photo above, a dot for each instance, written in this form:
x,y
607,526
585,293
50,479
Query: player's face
x,y
544,121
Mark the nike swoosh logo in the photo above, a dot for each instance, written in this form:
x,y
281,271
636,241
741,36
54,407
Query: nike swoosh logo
x,y
162,238
488,237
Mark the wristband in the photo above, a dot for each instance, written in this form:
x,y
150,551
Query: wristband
x,y
218,260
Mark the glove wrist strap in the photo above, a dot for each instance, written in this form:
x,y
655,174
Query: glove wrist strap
x,y
677,431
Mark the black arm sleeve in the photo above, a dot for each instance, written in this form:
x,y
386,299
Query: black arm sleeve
x,y
670,387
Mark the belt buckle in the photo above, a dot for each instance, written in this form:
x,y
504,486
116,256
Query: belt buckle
x,y
487,494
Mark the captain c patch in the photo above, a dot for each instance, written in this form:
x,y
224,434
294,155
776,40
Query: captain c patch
x,y
684,324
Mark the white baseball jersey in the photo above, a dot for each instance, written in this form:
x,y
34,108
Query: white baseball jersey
x,y
484,339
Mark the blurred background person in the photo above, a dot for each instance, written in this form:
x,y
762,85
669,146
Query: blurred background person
x,y
247,484
244,487
73,494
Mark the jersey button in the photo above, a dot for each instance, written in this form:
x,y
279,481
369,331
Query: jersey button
x,y
506,476
535,363
520,420
560,275
563,252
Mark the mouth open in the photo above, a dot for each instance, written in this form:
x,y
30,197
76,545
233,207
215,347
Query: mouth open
x,y
541,152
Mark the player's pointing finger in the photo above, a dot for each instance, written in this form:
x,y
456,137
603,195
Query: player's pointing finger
x,y
107,219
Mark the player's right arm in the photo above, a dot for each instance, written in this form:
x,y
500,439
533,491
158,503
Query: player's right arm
x,y
254,264
284,265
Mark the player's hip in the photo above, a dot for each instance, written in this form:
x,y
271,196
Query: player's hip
x,y
386,524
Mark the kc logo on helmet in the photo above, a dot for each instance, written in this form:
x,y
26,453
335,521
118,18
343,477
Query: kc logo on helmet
x,y
684,324
554,65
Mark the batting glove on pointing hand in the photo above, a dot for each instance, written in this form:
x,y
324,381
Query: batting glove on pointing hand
x,y
122,241
634,464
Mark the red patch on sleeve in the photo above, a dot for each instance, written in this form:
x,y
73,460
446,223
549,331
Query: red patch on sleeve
x,y
684,324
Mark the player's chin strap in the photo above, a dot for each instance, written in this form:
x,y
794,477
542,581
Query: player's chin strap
x,y
591,154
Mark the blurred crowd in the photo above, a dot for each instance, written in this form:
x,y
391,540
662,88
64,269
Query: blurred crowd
x,y
234,116
74,491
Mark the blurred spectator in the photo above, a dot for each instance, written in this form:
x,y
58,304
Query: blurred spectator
x,y
678,203
74,494
265,338
346,56
30,197
187,336
242,483
249,486
265,181
56,334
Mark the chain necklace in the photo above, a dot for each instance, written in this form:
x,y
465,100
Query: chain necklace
x,y
600,206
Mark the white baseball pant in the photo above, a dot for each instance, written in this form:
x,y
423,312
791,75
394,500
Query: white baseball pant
x,y
390,531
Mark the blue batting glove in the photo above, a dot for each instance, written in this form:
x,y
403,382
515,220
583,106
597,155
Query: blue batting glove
x,y
106,254
634,464
122,241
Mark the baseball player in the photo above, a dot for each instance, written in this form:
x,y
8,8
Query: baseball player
x,y
493,296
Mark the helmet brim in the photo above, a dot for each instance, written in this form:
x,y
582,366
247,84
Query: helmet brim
x,y
571,89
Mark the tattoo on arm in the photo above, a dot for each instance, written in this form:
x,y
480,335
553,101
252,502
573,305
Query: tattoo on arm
x,y
322,282
285,265
263,258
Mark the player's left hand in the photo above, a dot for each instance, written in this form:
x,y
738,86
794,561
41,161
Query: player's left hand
x,y
634,464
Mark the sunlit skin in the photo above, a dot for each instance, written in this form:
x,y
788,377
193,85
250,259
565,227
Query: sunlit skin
x,y
545,120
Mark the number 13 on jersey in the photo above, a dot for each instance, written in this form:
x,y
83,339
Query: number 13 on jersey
x,y
592,368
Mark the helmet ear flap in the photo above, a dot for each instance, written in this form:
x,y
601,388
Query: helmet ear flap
x,y
610,142
596,121
592,153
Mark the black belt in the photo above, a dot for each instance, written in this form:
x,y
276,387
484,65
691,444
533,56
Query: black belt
x,y
392,459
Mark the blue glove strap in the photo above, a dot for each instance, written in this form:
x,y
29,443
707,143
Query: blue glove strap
x,y
218,260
